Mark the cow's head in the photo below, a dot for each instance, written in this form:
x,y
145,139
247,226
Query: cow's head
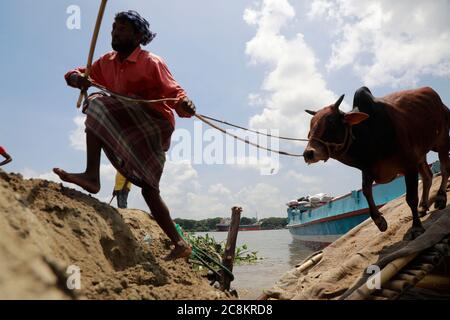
x,y
330,132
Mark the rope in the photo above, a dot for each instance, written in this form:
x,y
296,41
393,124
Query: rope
x,y
203,118
135,100
199,116
98,86
257,132
342,148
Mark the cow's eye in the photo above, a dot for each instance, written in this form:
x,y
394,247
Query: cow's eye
x,y
331,121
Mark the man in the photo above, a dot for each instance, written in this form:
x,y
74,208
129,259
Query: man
x,y
134,136
122,188
5,155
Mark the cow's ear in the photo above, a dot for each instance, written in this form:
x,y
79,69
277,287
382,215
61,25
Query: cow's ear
x,y
338,102
313,113
353,118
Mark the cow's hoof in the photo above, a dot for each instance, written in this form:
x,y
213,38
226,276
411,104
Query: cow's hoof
x,y
440,202
415,232
381,223
422,212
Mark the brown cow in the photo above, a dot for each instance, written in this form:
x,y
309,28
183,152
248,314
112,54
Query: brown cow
x,y
384,137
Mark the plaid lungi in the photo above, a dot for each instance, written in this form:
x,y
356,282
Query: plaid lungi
x,y
135,137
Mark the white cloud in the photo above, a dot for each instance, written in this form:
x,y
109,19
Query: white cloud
x,y
265,165
293,83
29,173
255,100
179,187
263,199
78,136
187,198
303,179
388,42
304,184
178,178
107,172
219,189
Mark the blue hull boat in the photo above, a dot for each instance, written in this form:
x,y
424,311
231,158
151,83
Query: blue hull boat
x,y
322,225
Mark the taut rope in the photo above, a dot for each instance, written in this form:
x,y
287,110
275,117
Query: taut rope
x,y
204,119
257,132
338,148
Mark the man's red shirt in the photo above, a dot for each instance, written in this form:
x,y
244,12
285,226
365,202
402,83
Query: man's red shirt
x,y
142,75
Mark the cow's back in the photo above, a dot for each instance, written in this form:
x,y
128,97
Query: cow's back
x,y
420,119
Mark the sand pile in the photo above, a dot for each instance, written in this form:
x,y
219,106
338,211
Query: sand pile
x,y
344,262
48,232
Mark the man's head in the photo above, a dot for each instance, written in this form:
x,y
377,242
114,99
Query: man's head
x,y
129,30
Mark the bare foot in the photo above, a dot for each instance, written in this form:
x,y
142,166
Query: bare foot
x,y
180,251
80,179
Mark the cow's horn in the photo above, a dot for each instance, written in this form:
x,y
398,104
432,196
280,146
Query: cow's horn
x,y
338,102
313,113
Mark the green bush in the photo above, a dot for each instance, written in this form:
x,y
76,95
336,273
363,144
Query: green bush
x,y
216,250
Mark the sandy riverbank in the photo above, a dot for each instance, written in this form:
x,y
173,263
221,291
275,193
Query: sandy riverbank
x,y
45,228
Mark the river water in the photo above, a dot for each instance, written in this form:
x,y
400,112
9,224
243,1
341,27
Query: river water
x,y
279,251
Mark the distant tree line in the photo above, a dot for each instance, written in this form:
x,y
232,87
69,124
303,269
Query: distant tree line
x,y
210,224
198,225
274,223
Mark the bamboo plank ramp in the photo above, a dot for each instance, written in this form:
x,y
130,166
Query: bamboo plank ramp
x,y
405,273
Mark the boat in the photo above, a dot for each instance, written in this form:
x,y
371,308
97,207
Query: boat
x,y
318,226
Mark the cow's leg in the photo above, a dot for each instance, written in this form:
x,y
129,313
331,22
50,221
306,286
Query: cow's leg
x,y
441,197
412,198
427,177
374,213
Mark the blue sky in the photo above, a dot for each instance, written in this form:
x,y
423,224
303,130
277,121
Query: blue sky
x,y
257,63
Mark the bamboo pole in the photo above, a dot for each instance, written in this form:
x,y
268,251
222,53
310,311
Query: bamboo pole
x,y
407,277
435,282
390,270
398,285
426,267
390,294
230,248
379,298
427,263
98,23
310,263
416,272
